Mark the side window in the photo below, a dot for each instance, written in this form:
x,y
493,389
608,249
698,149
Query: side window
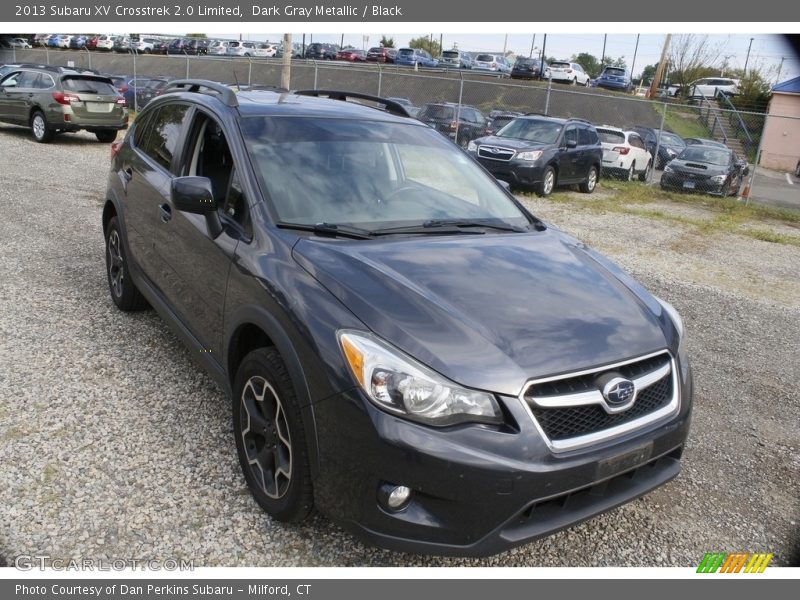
x,y
165,129
140,128
571,135
44,82
27,79
584,136
635,141
11,80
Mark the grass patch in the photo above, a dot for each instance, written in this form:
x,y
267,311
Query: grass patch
x,y
49,473
684,124
724,215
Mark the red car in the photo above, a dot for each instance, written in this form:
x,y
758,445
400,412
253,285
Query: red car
x,y
352,55
91,43
382,54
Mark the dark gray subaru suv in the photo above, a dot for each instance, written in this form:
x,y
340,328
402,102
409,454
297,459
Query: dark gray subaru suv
x,y
406,347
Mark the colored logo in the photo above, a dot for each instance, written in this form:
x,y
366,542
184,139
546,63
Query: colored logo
x,y
619,391
741,562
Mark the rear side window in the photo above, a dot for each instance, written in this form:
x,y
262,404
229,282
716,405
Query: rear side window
x,y
587,136
165,129
44,82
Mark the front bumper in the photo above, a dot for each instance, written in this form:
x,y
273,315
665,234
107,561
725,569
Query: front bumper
x,y
691,183
612,85
478,490
515,172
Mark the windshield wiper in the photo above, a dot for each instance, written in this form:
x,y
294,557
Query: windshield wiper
x,y
448,226
329,229
471,223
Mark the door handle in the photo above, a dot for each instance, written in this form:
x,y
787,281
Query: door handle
x,y
165,212
127,173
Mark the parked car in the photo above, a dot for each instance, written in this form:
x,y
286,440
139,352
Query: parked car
x,y
381,54
218,47
78,42
669,144
499,119
410,107
105,42
526,68
19,43
52,100
145,45
459,123
540,153
265,50
708,142
624,153
125,86
615,78
188,46
497,63
152,88
352,55
567,72
53,41
40,39
319,51
91,42
708,87
122,44
415,57
63,41
457,59
241,49
407,400
707,169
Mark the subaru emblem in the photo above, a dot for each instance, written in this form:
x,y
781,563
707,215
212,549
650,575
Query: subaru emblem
x,y
619,391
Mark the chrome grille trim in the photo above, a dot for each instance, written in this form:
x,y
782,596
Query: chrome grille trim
x,y
591,397
504,154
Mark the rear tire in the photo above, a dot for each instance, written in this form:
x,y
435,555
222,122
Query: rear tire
x,y
270,439
587,187
646,173
629,175
106,137
39,128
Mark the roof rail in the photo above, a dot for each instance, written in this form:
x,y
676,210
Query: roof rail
x,y
227,95
391,106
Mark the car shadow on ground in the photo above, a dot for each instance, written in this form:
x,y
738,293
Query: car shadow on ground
x,y
81,138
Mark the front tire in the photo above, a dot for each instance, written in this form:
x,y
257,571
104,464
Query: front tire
x,y
123,291
587,187
270,439
548,183
646,173
40,129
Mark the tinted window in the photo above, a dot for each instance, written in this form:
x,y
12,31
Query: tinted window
x,y
571,134
636,141
450,54
586,136
610,136
560,65
44,82
671,139
615,72
87,85
437,111
165,131
485,58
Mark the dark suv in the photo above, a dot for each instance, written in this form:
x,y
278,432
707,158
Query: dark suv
x,y
405,345
460,124
541,153
319,51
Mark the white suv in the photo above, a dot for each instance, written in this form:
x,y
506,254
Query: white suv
x,y
709,87
568,72
217,48
105,42
265,50
624,153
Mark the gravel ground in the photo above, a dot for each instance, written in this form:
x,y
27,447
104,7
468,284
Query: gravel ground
x,y
114,445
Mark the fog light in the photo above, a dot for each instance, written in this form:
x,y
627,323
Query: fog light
x,y
394,497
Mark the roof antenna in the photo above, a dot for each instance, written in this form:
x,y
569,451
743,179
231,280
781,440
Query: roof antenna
x,y
236,79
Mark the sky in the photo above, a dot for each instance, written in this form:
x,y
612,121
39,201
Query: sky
x,y
766,52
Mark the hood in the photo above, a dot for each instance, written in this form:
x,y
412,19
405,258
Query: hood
x,y
509,142
490,311
697,167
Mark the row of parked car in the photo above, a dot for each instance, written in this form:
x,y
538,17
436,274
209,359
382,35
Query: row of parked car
x,y
532,151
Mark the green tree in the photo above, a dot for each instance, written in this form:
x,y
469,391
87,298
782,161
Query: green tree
x,y
691,57
426,43
589,63
617,62
647,74
754,92
387,42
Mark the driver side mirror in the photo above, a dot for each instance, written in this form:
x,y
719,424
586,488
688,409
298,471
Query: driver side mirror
x,y
194,195
572,144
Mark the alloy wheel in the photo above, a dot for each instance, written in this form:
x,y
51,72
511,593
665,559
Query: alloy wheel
x,y
549,182
265,436
116,272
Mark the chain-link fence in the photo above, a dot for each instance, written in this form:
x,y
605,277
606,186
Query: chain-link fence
x,y
770,144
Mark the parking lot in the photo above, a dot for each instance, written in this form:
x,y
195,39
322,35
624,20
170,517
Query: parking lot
x,y
115,445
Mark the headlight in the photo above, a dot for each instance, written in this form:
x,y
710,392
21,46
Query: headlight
x,y
399,384
668,169
671,152
530,155
718,178
678,322
472,146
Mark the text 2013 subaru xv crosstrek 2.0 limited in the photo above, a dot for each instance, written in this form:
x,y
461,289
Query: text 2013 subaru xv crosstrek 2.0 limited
x,y
406,347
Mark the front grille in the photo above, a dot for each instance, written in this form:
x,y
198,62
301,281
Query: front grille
x,y
495,153
589,414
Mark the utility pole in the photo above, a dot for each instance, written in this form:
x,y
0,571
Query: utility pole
x,y
746,60
286,70
724,65
635,50
505,45
533,41
662,63
341,45
541,65
780,68
441,42
603,60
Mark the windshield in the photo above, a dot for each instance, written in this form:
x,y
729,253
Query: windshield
x,y
484,58
369,174
450,54
532,130
670,139
88,85
713,156
526,62
406,52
